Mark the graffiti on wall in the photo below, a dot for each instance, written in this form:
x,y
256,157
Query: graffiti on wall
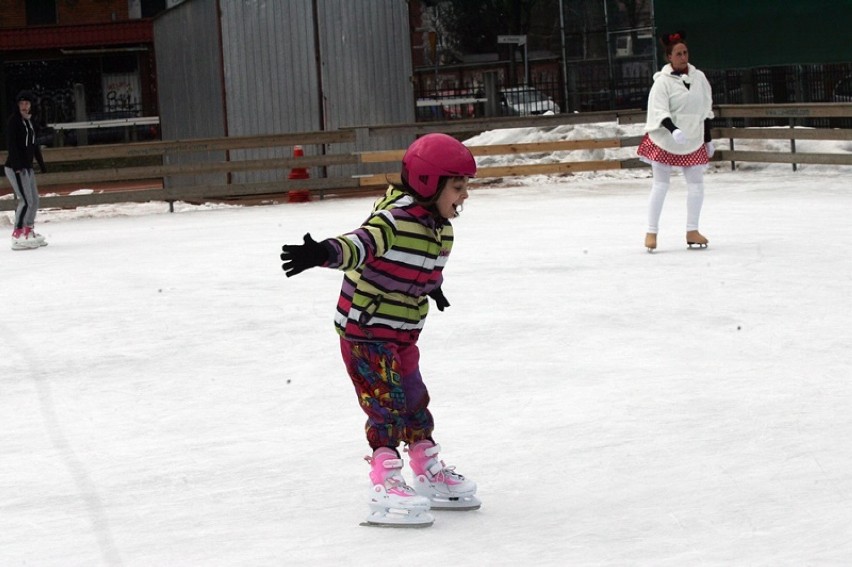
x,y
121,92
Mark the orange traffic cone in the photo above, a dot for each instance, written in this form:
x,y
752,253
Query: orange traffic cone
x,y
298,173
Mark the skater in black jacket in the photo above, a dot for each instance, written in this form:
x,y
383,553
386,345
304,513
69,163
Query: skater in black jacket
x,y
22,146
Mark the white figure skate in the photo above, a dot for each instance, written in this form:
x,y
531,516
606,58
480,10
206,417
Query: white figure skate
x,y
393,503
38,238
21,240
445,488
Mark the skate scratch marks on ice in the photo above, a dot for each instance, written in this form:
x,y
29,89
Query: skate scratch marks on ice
x,y
85,487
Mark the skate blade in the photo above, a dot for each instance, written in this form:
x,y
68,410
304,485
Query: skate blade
x,y
465,505
697,245
393,520
441,507
377,524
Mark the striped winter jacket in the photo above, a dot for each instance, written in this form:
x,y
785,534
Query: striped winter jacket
x,y
392,261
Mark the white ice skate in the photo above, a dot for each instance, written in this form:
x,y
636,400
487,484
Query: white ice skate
x,y
393,503
22,241
38,238
442,485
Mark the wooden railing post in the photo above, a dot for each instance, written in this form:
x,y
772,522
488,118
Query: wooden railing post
x,y
793,141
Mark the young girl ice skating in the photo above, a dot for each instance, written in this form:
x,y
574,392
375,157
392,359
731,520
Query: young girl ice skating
x,y
393,262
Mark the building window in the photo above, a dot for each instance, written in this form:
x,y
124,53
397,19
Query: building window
x,y
41,12
151,8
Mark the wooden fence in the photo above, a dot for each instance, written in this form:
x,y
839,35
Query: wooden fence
x,y
61,185
792,113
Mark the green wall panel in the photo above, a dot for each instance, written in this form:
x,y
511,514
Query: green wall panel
x,y
730,34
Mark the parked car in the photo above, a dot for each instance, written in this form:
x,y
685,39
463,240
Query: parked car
x,y
448,105
843,90
842,93
526,101
761,94
46,137
621,99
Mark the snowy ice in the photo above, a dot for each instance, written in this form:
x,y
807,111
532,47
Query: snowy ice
x,y
168,397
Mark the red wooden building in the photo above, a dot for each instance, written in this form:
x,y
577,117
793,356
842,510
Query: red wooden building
x,y
84,59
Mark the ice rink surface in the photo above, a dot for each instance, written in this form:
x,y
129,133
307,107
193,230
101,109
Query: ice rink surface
x,y
168,397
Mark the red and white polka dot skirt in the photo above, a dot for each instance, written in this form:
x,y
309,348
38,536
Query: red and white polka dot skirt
x,y
651,151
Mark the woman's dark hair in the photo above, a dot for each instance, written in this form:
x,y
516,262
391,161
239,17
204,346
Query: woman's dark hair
x,y
669,40
26,95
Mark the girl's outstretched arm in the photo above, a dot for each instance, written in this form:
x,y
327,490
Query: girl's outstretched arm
x,y
299,257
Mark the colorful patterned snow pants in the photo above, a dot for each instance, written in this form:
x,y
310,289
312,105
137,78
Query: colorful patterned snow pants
x,y
390,390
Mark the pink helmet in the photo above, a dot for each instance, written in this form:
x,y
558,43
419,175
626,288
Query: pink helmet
x,y
434,156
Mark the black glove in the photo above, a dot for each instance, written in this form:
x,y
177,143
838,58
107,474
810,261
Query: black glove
x,y
299,257
440,301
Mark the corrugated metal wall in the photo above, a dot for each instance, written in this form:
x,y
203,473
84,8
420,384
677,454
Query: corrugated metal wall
x,y
275,82
270,67
366,69
189,79
270,75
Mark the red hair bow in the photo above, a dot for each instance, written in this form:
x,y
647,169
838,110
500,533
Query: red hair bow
x,y
674,38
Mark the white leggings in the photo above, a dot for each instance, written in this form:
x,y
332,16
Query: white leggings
x,y
694,176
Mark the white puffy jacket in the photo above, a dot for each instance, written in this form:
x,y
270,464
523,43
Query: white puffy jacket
x,y
687,108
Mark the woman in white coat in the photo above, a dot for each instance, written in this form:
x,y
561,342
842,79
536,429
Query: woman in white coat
x,y
677,134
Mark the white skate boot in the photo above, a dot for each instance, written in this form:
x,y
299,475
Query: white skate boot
x,y
38,238
445,488
392,502
22,241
